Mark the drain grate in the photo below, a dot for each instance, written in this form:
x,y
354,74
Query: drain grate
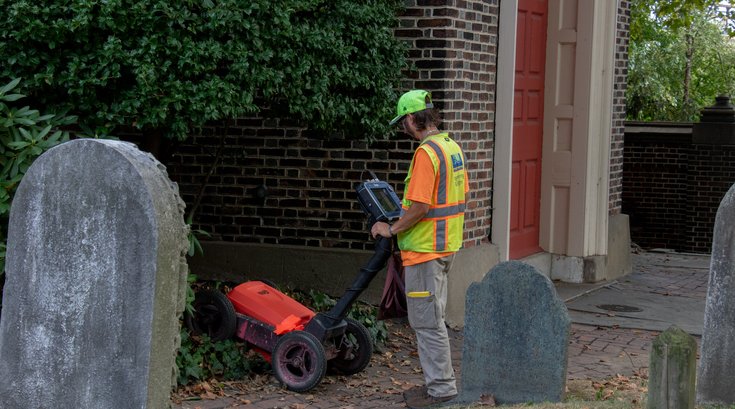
x,y
619,308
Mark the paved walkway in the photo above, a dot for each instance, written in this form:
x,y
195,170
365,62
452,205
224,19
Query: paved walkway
x,y
603,342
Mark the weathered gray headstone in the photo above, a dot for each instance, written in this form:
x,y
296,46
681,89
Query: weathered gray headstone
x,y
716,376
95,281
516,335
672,370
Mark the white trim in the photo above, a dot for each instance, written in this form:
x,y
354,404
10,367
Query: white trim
x,y
505,83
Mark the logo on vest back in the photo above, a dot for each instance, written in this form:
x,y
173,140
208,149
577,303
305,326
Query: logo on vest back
x,y
457,162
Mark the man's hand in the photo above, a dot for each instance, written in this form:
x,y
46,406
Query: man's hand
x,y
416,212
380,229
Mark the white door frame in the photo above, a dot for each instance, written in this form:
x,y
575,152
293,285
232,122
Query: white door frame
x,y
574,226
505,83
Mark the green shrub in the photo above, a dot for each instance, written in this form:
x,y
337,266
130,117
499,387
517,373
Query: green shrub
x,y
24,135
364,313
167,65
199,358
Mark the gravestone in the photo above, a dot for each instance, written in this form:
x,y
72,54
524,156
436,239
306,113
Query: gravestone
x,y
672,370
716,376
95,281
516,335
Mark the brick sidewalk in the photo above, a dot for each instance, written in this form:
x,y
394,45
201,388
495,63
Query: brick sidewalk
x,y
594,353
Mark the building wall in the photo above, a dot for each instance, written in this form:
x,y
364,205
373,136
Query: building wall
x,y
309,177
618,125
454,47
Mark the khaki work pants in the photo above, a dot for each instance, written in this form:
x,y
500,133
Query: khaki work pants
x,y
426,293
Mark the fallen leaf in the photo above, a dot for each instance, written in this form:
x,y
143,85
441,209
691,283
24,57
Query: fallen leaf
x,y
208,396
408,385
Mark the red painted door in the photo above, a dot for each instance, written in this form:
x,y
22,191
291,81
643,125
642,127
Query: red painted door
x,y
528,115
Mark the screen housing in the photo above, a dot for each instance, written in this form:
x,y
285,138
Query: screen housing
x,y
379,201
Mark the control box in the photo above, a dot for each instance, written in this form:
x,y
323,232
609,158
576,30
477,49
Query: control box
x,y
378,201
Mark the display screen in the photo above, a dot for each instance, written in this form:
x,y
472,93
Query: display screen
x,y
384,199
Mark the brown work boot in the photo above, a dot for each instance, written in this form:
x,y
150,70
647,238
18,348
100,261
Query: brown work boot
x,y
414,392
425,400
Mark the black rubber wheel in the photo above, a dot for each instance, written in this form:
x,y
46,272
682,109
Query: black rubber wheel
x,y
268,282
299,361
355,349
213,315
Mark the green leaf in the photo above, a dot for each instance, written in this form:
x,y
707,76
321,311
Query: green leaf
x,y
54,138
12,97
27,135
9,86
17,145
24,121
43,132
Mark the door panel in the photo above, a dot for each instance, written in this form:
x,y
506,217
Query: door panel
x,y
528,128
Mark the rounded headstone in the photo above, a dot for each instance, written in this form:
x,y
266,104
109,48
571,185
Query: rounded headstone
x,y
716,374
95,281
516,336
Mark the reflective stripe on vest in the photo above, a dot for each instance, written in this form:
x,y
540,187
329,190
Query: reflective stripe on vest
x,y
441,195
440,230
445,211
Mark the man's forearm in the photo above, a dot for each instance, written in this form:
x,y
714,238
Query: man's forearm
x,y
413,214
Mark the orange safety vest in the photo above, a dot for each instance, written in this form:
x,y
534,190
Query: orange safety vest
x,y
442,227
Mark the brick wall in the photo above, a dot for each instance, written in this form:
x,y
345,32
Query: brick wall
x,y
309,177
309,183
711,173
654,187
672,188
454,47
618,115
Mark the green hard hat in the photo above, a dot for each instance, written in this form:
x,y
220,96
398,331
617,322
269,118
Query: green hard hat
x,y
412,101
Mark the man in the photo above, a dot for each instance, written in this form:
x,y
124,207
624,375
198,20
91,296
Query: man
x,y
429,234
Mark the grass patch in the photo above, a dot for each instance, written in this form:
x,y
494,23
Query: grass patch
x,y
619,392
